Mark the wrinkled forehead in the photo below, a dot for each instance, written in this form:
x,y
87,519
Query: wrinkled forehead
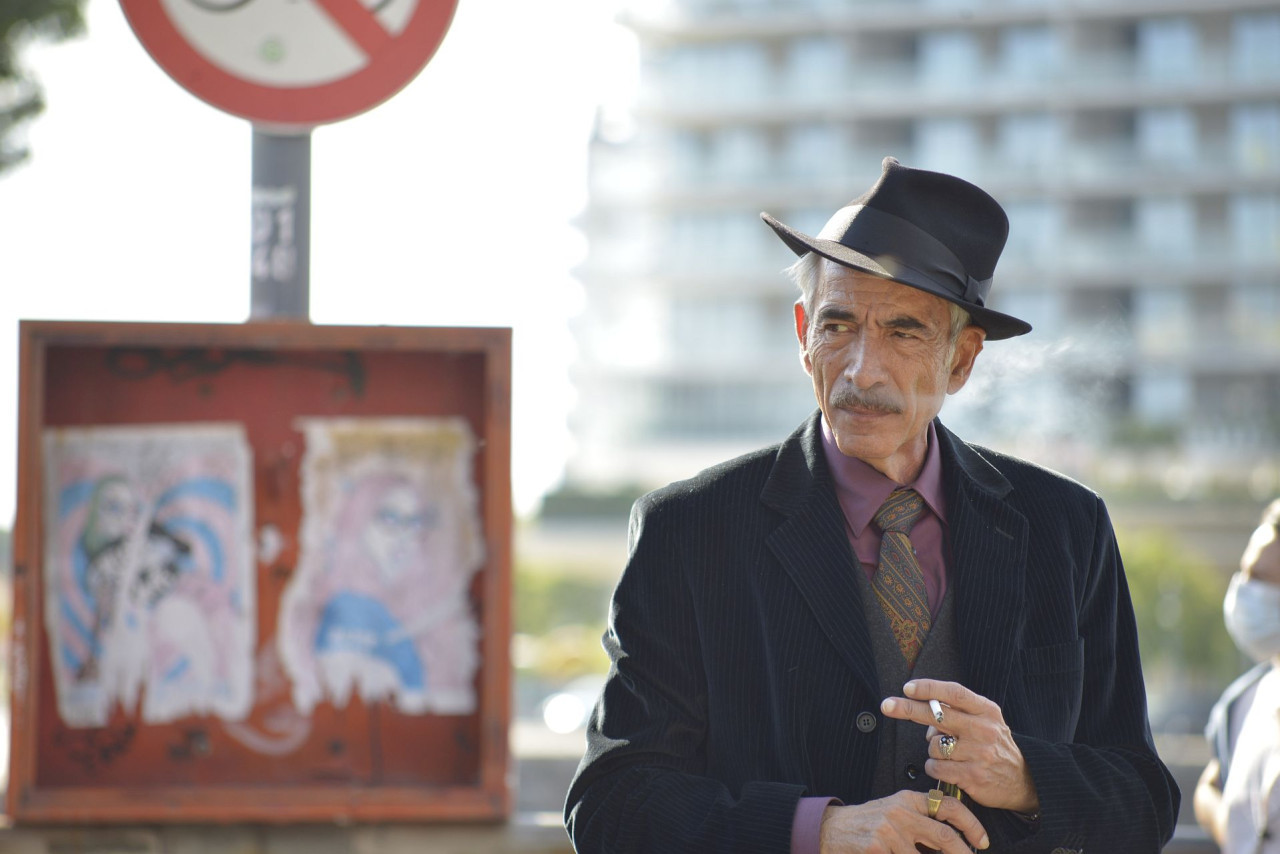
x,y
853,290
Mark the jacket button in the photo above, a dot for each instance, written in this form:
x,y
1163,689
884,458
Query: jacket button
x,y
911,771
866,722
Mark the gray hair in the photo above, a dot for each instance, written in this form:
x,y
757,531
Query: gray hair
x,y
807,271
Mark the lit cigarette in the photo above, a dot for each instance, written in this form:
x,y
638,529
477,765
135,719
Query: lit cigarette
x,y
936,708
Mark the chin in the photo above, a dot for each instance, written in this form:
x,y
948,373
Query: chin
x,y
881,429
864,447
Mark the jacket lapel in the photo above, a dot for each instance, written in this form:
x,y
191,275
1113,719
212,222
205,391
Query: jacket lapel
x,y
988,539
813,548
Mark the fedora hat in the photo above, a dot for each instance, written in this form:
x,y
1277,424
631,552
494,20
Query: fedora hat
x,y
931,231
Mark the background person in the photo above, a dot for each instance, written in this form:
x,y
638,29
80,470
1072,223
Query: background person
x,y
1241,810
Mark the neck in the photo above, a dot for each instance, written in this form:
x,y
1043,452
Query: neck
x,y
905,464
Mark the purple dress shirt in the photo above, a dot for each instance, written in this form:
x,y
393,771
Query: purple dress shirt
x,y
861,490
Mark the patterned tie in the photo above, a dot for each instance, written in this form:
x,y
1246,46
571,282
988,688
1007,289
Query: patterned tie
x,y
899,582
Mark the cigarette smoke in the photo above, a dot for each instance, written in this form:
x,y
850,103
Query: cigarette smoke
x,y
1046,400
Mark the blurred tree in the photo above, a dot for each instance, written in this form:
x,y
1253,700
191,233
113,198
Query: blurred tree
x,y
560,615
1187,655
1177,598
22,21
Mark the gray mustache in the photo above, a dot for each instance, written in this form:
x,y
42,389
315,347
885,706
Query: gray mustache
x,y
851,397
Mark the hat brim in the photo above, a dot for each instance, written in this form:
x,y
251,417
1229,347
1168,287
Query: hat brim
x,y
997,325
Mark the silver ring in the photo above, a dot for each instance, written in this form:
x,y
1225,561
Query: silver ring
x,y
947,745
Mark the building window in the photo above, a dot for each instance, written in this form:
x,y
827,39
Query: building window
x,y
1166,227
948,145
1255,135
1042,309
950,59
715,328
1255,45
1167,49
733,72
1035,230
1162,320
1030,55
1255,225
1162,397
739,154
816,67
1108,309
814,151
1255,315
1030,141
1167,135
721,408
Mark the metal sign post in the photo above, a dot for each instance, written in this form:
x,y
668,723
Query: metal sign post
x,y
281,248
288,67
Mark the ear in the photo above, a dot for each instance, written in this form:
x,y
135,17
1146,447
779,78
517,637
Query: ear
x,y
968,346
802,335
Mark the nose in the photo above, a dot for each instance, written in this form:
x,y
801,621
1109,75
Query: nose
x,y
865,367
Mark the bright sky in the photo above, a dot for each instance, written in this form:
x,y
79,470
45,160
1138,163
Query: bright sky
x,y
448,205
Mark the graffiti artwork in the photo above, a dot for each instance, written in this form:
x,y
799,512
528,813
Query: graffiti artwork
x,y
390,539
148,570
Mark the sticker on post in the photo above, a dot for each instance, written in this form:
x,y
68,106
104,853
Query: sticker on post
x,y
150,596
390,539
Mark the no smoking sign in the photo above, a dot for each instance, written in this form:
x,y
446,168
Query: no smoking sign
x,y
291,63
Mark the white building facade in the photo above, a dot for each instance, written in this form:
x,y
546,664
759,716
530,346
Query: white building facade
x,y
1134,143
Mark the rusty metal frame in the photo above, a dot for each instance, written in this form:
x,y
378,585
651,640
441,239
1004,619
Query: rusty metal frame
x,y
484,798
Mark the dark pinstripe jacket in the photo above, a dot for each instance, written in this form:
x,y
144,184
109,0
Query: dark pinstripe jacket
x,y
741,662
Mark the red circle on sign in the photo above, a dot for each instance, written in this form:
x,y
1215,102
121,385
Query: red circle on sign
x,y
392,61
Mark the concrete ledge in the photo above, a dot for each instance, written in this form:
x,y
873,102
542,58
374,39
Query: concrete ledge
x,y
526,834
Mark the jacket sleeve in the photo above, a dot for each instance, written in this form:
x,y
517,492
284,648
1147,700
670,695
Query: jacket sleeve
x,y
1105,790
642,785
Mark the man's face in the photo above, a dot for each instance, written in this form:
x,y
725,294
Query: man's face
x,y
881,361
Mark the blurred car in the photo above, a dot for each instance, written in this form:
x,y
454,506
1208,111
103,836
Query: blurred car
x,y
569,708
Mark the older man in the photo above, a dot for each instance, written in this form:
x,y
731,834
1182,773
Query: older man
x,y
812,643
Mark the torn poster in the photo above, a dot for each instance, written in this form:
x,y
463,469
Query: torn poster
x,y
389,542
149,573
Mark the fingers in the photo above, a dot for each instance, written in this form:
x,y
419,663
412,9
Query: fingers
x,y
955,825
951,694
899,822
947,718
948,706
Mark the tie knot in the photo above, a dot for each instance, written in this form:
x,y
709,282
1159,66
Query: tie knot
x,y
900,511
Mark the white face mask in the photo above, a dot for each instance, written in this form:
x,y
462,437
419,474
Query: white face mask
x,y
1251,610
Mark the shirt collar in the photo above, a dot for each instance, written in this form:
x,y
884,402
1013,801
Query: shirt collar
x,y
861,489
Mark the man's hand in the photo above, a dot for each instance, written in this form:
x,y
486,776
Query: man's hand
x,y
984,761
894,825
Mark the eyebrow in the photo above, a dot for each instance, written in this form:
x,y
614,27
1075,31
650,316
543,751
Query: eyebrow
x,y
904,321
829,313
